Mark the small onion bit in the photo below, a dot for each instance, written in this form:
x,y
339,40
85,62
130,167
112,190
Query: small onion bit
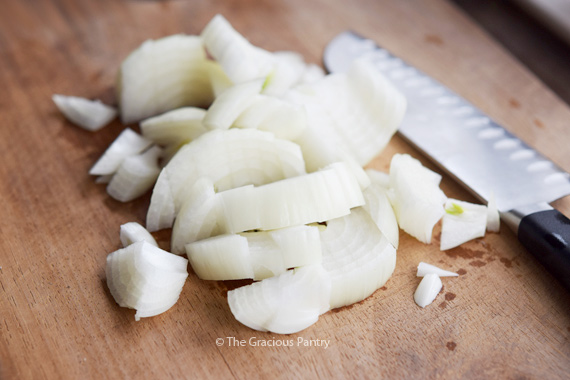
x,y
425,269
91,115
428,289
133,232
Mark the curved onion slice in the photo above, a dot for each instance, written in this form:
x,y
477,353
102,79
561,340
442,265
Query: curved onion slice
x,y
425,268
310,198
91,115
379,207
357,256
133,232
416,197
164,74
284,304
357,112
463,221
135,176
317,197
146,278
174,127
198,217
231,103
230,158
256,255
280,117
128,143
240,60
428,289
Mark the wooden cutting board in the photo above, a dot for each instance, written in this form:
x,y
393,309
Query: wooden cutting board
x,y
504,317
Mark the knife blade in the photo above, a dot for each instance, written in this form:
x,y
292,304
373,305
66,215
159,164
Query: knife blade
x,y
474,150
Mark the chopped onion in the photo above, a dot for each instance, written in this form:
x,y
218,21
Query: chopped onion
x,y
424,269
379,207
174,127
256,255
428,289
135,176
230,158
357,256
357,112
284,119
91,115
231,103
162,75
146,278
416,197
284,304
128,143
462,222
133,232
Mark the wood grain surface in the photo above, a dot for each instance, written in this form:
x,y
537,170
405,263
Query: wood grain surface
x,y
504,317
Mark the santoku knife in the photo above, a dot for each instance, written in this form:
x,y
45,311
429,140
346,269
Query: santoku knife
x,y
476,151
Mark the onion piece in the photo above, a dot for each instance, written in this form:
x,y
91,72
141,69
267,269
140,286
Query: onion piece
x,y
357,112
128,143
135,176
231,103
493,216
284,304
146,278
357,256
230,158
240,60
415,196
305,199
91,115
428,289
425,268
174,127
133,232
379,207
256,255
282,118
317,197
164,74
463,221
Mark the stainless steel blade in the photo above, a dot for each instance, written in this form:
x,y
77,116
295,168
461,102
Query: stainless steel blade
x,y
466,143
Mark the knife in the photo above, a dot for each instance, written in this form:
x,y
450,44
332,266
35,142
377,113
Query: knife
x,y
475,151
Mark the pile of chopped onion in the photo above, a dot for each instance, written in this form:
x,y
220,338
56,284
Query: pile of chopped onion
x,y
255,160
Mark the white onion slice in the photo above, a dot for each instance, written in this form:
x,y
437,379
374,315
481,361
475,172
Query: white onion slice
x,y
463,221
231,103
493,216
415,196
284,304
133,232
174,127
357,112
425,268
357,256
240,60
135,176
230,158
256,255
310,198
128,143
428,289
379,207
91,115
164,74
198,218
146,278
327,194
280,117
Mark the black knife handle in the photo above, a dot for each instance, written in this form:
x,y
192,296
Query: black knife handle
x,y
546,234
